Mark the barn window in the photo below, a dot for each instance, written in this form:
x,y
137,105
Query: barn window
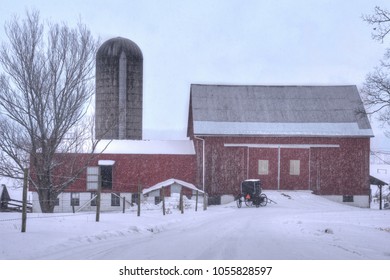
x,y
263,167
347,198
74,199
295,167
106,175
115,199
92,178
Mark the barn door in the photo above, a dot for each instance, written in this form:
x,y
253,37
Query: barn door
x,y
294,169
280,168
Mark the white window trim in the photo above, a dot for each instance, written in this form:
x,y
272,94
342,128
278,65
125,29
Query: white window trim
x,y
92,178
263,167
295,167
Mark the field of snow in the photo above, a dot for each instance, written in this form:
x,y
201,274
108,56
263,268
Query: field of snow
x,y
300,226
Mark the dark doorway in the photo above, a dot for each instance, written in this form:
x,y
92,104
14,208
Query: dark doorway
x,y
106,175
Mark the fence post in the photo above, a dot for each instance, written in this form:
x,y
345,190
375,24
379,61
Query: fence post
x,y
139,200
196,204
163,200
181,201
98,196
124,204
204,201
24,206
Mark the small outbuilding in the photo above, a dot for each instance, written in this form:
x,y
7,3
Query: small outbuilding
x,y
175,185
380,184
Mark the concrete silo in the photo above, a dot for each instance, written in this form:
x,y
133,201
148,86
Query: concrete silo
x,y
119,71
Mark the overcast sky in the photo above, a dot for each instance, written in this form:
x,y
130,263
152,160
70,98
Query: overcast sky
x,y
259,42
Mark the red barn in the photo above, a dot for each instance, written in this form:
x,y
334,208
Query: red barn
x,y
290,137
124,165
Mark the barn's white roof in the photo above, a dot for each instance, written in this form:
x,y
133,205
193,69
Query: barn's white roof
x,y
174,147
280,129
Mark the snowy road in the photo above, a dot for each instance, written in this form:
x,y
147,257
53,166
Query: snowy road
x,y
303,227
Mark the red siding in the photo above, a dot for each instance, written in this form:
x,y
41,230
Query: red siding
x,y
269,181
326,171
294,182
131,170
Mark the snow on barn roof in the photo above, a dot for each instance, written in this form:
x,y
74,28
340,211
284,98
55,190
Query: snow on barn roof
x,y
174,147
170,182
278,110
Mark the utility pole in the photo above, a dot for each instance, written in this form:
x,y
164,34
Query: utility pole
x,y
24,199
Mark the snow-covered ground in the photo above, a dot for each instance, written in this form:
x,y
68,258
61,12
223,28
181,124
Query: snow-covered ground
x,y
301,226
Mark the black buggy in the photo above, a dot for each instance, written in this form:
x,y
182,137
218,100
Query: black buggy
x,y
251,194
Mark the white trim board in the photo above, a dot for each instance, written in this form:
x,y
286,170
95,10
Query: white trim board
x,y
282,146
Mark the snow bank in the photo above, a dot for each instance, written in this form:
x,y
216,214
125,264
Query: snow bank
x,y
301,226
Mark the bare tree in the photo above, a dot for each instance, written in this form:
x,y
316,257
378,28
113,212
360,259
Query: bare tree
x,y
46,85
376,89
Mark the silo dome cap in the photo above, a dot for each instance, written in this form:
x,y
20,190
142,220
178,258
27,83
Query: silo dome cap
x,y
115,46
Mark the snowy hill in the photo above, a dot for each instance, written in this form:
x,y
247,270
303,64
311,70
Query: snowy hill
x,y
300,226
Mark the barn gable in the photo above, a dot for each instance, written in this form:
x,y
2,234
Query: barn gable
x,y
278,110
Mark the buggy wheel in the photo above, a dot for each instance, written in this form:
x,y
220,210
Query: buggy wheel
x,y
263,200
239,203
248,203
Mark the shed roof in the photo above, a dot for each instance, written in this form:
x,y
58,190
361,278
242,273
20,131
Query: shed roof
x,y
170,182
278,110
376,181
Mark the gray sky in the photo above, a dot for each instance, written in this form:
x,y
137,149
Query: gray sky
x,y
255,42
